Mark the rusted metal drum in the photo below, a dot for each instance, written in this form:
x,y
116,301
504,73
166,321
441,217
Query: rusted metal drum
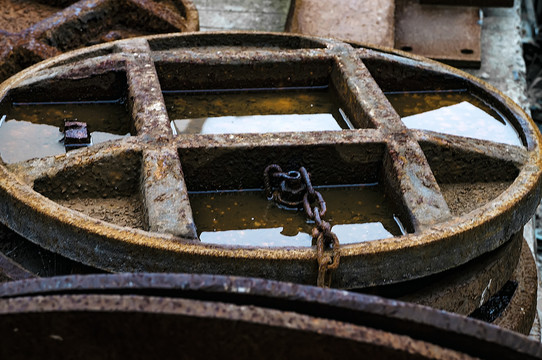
x,y
35,30
454,196
203,316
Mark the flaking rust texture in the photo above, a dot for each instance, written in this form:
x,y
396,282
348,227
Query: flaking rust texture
x,y
165,167
37,30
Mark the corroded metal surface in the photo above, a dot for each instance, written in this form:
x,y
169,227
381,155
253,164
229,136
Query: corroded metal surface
x,y
450,34
410,164
461,290
520,313
21,259
203,315
10,270
465,288
367,21
58,26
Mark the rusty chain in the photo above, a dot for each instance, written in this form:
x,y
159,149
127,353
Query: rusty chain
x,y
296,191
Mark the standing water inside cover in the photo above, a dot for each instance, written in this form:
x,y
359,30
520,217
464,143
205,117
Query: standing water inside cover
x,y
236,111
34,130
357,213
455,113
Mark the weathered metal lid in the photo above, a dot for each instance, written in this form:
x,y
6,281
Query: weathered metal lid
x,y
202,316
413,165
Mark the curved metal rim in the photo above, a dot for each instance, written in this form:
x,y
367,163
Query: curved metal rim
x,y
76,293
444,237
521,311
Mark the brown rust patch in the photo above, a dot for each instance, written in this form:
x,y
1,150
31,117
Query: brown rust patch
x,y
17,15
465,197
122,211
98,179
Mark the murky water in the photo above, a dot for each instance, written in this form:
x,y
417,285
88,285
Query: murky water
x,y
453,112
357,214
30,130
255,111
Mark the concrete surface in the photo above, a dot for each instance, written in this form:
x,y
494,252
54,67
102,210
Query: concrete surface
x,y
262,15
503,67
502,56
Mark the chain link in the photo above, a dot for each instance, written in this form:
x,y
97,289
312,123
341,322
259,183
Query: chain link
x,y
322,235
307,205
268,172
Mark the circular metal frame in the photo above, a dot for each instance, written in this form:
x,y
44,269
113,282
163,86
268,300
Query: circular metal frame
x,y
438,241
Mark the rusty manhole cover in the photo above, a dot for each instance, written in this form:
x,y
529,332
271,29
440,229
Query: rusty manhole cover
x,y
180,186
201,316
34,30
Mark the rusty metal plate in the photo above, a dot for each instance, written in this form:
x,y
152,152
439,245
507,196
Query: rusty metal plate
x,y
415,167
445,33
367,21
35,30
202,315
